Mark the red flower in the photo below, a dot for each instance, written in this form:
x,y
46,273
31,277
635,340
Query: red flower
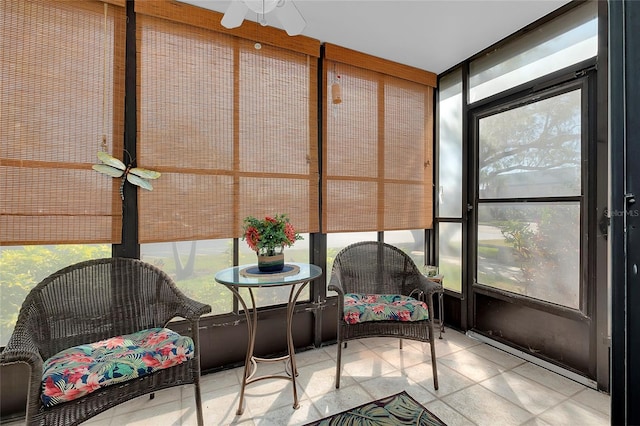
x,y
181,355
155,338
269,234
150,361
60,390
352,317
114,342
253,237
50,388
404,315
167,349
75,374
91,384
290,232
378,308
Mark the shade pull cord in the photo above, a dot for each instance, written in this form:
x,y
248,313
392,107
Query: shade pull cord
x,y
104,81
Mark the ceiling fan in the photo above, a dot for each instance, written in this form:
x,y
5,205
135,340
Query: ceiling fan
x,y
285,11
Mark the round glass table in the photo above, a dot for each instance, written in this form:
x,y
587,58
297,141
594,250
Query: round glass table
x,y
296,275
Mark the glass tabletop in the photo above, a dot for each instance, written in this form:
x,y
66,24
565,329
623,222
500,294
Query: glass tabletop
x,y
238,276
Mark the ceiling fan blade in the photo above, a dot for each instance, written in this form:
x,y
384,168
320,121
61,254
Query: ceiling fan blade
x,y
235,14
290,18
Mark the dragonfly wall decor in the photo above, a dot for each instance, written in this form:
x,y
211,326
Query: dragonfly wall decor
x,y
113,167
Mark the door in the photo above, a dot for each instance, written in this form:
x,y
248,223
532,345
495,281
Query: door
x,y
528,244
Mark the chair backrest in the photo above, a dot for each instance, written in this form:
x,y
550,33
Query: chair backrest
x,y
95,300
376,268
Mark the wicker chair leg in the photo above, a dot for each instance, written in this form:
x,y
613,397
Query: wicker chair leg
x,y
433,358
152,395
338,364
199,404
401,343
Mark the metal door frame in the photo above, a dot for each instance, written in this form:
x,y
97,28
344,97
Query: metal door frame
x,y
556,84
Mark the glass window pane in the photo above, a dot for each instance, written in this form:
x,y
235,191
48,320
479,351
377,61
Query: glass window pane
x,y
338,241
567,40
193,266
299,252
410,242
23,267
449,199
533,150
531,249
450,255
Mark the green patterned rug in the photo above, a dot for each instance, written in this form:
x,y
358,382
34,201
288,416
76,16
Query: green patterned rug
x,y
394,410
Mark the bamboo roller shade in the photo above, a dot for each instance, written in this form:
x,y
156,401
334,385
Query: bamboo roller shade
x,y
62,66
231,128
377,152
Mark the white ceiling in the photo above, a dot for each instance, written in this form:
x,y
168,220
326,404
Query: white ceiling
x,y
432,35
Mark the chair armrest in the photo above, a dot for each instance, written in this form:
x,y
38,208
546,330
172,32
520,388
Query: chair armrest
x,y
22,349
428,287
335,284
24,355
191,309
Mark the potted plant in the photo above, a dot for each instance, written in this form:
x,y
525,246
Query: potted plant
x,y
268,238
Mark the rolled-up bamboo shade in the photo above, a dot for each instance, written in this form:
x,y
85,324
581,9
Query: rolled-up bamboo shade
x,y
378,145
62,71
232,129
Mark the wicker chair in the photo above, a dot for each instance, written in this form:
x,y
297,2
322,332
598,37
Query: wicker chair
x,y
92,301
373,267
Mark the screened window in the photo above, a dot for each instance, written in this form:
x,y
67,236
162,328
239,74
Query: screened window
x,y
450,179
338,241
532,249
530,198
62,91
532,151
23,267
193,265
231,128
567,40
233,131
449,197
378,146
450,254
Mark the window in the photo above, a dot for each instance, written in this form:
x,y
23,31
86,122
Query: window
x,y
23,267
339,240
450,180
62,91
567,40
231,128
530,196
449,196
233,131
194,264
450,255
378,145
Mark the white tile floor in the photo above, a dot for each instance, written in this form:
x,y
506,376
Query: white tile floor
x,y
479,385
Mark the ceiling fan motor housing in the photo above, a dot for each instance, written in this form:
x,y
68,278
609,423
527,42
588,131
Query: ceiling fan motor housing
x,y
262,6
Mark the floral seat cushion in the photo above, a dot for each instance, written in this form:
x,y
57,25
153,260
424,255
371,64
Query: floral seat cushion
x,y
383,307
78,371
